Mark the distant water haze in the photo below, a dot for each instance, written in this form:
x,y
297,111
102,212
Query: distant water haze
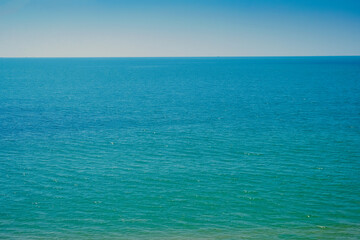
x,y
107,28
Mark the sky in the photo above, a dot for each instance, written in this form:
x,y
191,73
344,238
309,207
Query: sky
x,y
174,28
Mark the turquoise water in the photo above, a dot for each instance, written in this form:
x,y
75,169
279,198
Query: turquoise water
x,y
180,148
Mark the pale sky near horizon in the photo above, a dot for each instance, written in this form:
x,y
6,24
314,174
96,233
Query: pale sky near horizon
x,y
145,28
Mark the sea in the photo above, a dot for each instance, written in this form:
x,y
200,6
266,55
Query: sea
x,y
180,148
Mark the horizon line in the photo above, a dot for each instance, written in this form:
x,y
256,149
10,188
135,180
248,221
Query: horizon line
x,y
265,56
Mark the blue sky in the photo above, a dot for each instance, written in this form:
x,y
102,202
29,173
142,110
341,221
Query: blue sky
x,y
135,28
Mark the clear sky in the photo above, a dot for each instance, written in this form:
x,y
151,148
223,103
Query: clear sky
x,y
133,28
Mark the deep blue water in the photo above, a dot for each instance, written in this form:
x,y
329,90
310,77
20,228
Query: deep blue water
x,y
180,148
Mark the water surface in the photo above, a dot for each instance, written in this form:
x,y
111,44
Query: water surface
x,y
180,148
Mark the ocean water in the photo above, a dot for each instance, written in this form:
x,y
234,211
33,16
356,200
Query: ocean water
x,y
180,148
